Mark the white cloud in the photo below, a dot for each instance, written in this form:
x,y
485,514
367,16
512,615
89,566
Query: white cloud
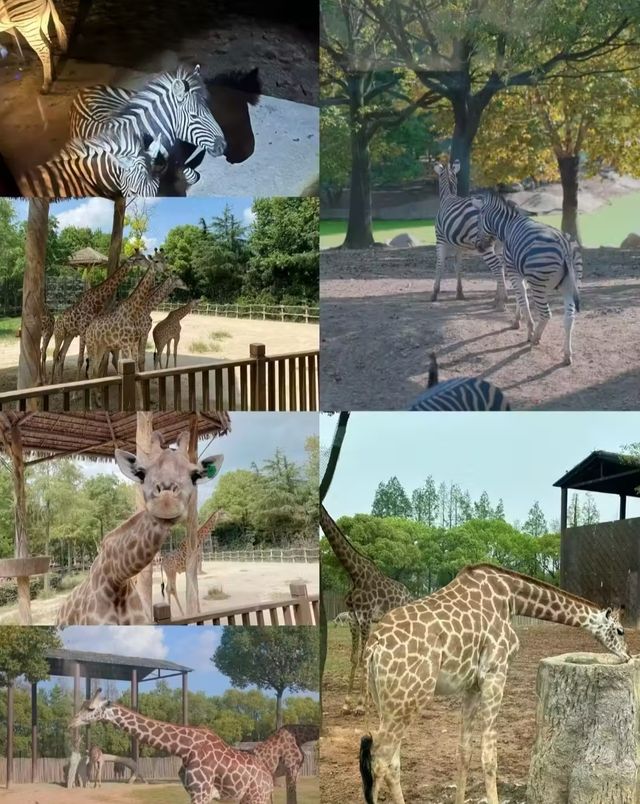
x,y
202,648
145,641
248,216
96,213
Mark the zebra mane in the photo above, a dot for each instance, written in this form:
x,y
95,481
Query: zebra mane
x,y
191,78
505,202
249,83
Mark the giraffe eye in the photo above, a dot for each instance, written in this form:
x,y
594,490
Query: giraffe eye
x,y
621,631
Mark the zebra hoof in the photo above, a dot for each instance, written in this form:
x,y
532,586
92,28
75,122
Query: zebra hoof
x,y
567,361
46,88
359,710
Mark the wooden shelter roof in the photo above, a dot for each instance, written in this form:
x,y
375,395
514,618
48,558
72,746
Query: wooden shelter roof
x,y
87,256
95,435
606,472
61,662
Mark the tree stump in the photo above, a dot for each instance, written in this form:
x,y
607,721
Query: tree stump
x,y
587,747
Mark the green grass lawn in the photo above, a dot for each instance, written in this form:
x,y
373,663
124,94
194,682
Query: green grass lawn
x,y
308,793
607,226
9,327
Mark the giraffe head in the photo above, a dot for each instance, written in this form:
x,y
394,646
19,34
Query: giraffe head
x,y
606,627
168,477
91,711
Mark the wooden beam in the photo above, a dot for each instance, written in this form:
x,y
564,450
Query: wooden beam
x,y
185,699
34,732
9,733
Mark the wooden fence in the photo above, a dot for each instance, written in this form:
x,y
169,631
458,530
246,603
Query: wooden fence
x,y
300,313
51,770
306,555
287,382
298,609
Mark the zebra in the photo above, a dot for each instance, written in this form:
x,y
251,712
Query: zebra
x,y
31,18
543,257
457,230
118,165
461,394
344,618
173,105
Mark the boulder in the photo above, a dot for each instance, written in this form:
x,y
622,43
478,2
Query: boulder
x,y
403,240
632,240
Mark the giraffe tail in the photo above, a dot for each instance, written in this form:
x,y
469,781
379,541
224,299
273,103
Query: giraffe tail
x,y
432,378
366,771
162,581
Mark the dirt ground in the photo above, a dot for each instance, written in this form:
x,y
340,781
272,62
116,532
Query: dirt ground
x,y
378,327
109,39
279,337
429,749
240,583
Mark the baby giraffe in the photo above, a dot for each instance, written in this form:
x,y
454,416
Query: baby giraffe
x,y
211,770
168,479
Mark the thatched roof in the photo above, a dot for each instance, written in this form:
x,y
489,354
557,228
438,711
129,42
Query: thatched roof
x,y
87,256
96,435
61,662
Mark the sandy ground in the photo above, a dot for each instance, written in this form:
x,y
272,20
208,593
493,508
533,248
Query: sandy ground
x,y
378,328
429,749
124,44
243,583
136,794
279,337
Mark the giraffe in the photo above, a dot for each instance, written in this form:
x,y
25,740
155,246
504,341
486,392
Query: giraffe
x,y
281,752
75,319
211,770
371,595
108,596
96,758
175,563
161,293
459,640
169,330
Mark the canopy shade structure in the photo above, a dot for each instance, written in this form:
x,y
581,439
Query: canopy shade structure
x,y
87,256
606,472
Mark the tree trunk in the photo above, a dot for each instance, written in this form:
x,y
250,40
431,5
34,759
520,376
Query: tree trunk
x,y
279,719
29,364
467,113
359,228
115,247
191,571
587,748
568,166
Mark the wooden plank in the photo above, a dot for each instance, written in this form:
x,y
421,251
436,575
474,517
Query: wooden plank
x,y
312,363
291,366
193,404
205,391
218,380
162,393
282,384
302,382
231,387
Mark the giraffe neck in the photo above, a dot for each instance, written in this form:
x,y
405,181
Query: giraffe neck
x,y
181,312
354,562
165,736
130,548
209,524
159,294
142,289
531,599
104,291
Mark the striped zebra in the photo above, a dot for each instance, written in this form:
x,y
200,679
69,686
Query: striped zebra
x,y
457,231
538,255
462,394
31,18
120,165
172,105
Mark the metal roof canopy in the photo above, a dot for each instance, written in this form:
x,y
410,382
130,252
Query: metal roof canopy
x,y
107,666
605,473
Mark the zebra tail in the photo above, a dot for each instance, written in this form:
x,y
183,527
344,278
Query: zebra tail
x,y
574,283
432,377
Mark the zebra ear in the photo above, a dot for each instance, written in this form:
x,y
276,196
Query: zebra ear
x,y
455,167
180,89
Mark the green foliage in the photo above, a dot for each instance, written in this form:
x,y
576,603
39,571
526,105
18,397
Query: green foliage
x,y
276,504
22,652
391,500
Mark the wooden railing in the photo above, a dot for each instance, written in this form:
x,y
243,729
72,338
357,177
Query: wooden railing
x,y
299,313
260,382
299,609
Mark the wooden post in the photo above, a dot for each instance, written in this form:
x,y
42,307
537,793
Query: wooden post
x,y
9,733
144,579
299,590
185,700
135,747
87,695
623,506
127,370
34,732
191,572
29,362
563,540
258,373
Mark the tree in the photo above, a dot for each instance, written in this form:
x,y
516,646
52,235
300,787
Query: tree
x,y
590,512
424,502
499,511
22,652
279,659
351,78
473,51
574,512
535,524
482,508
391,500
181,246
29,366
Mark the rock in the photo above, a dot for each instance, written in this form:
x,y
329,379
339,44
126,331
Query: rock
x,y
403,240
632,240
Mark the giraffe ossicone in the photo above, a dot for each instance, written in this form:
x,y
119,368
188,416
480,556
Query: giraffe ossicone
x,y
168,479
459,640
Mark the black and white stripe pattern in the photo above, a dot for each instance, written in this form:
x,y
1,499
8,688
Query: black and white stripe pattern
x,y
112,166
543,257
462,394
31,18
457,231
173,105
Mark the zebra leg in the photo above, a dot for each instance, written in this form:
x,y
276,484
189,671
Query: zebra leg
x,y
544,314
522,303
457,261
496,266
569,317
41,45
442,252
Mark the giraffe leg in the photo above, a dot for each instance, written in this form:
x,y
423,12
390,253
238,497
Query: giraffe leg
x,y
354,627
43,355
81,349
61,356
490,701
168,352
470,705
364,635
175,353
172,589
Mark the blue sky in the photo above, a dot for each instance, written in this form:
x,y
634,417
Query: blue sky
x,y
254,437
191,647
164,213
516,456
